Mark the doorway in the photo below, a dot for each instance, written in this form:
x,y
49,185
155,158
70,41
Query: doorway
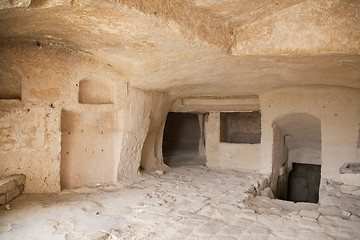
x,y
304,181
297,153
182,140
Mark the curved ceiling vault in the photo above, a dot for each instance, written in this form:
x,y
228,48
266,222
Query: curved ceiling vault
x,y
188,47
300,131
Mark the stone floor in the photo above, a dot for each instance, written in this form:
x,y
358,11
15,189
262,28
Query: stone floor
x,y
185,158
183,203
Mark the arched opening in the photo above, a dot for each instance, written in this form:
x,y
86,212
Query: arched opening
x,y
297,157
183,141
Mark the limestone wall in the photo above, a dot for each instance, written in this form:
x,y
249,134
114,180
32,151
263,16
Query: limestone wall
x,y
74,109
228,155
143,115
89,148
304,155
76,121
279,156
338,110
30,144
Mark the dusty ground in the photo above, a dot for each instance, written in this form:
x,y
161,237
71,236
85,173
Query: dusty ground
x,y
184,158
183,203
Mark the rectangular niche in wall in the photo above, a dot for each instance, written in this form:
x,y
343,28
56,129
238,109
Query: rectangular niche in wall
x,y
240,127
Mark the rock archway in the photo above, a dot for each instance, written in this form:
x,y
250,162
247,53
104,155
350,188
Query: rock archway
x,y
297,153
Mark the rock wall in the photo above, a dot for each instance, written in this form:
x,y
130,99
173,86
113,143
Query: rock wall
x,y
228,155
65,130
338,110
89,147
143,115
30,144
279,157
304,155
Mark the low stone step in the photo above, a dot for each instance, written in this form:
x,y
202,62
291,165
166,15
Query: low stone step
x,y
11,187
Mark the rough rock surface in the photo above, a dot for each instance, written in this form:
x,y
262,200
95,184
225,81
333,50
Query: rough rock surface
x,y
184,203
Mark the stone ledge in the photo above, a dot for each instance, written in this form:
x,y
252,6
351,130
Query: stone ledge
x,y
11,187
349,189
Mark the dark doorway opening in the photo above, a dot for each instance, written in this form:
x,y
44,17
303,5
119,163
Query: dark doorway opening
x,y
304,181
297,157
182,135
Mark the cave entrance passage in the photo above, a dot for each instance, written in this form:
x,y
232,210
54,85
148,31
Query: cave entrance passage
x,y
297,154
303,183
183,141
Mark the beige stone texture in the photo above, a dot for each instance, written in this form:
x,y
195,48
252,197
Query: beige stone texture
x,y
11,187
30,144
350,189
247,27
86,86
338,110
131,62
352,179
267,192
279,156
186,202
304,155
228,155
88,148
213,104
4,4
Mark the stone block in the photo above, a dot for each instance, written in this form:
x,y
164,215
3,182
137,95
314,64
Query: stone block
x,y
311,215
7,185
2,199
350,179
350,174
10,195
349,189
11,187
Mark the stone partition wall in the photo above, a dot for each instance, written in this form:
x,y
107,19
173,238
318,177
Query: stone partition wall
x,y
31,127
143,118
159,105
116,119
228,155
30,144
338,109
279,157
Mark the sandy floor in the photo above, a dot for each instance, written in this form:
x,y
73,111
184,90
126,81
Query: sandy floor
x,y
184,203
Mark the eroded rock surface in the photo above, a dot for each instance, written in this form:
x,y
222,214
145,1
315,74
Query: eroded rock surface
x,y
184,203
